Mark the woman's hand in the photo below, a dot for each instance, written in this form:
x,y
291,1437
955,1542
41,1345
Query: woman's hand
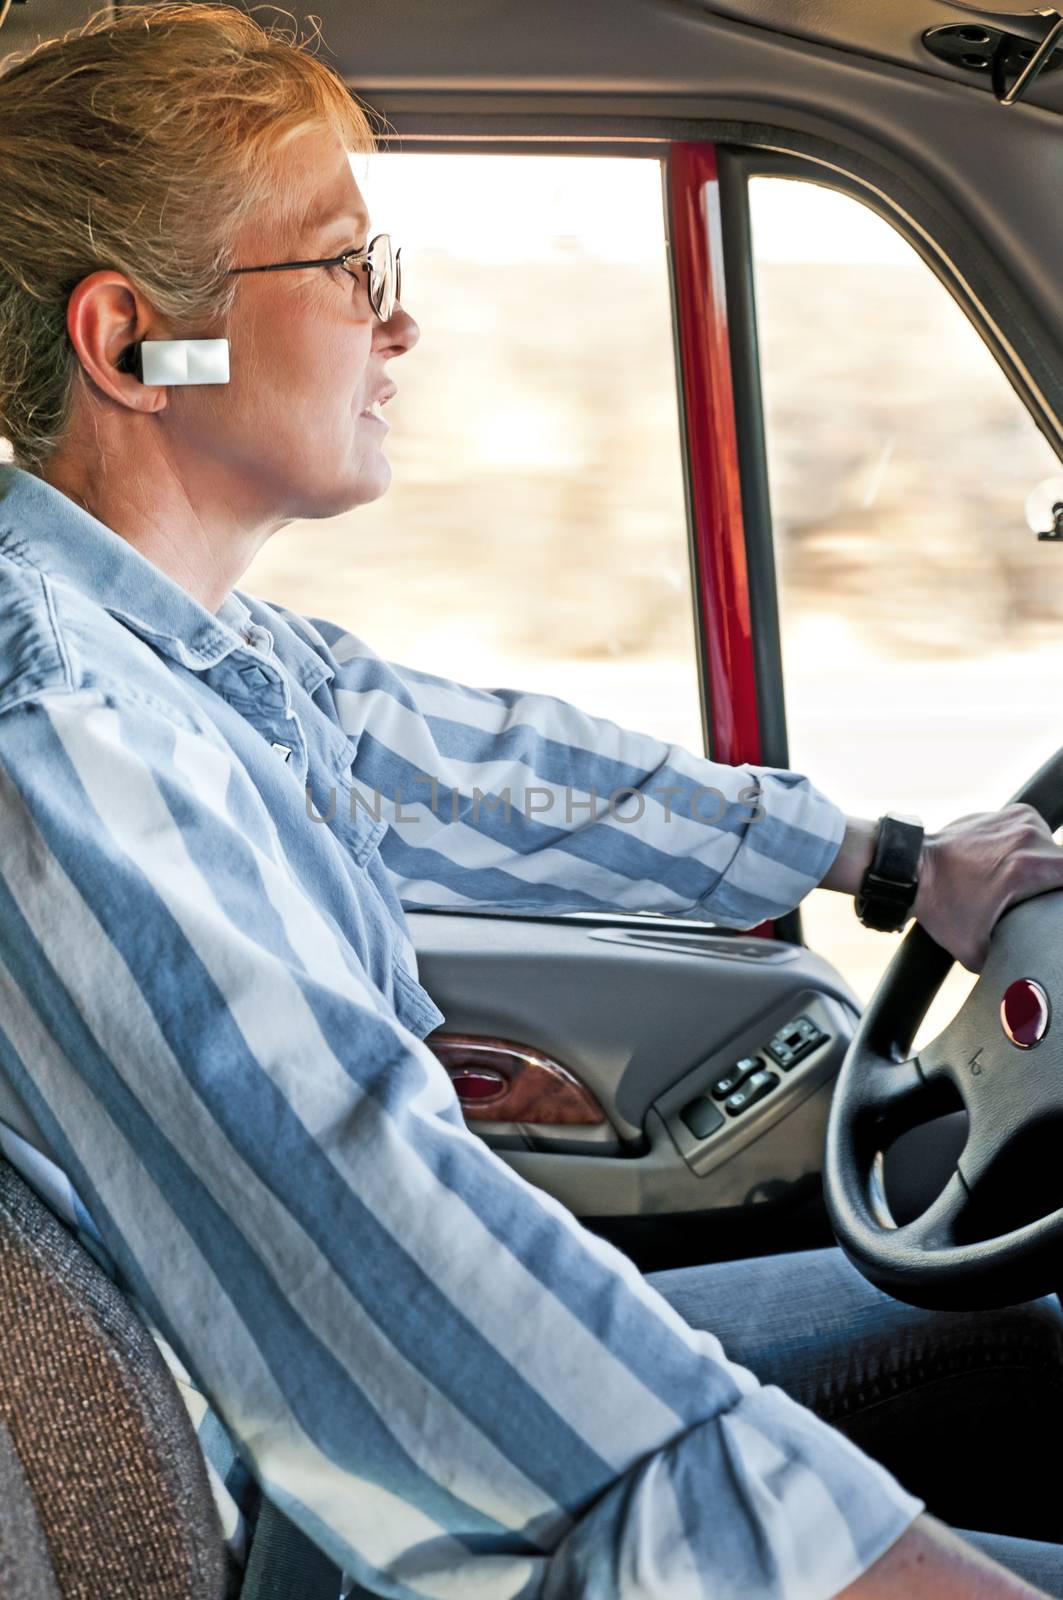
x,y
975,868
969,873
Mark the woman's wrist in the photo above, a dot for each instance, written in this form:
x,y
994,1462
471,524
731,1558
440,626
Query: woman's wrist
x,y
924,895
854,856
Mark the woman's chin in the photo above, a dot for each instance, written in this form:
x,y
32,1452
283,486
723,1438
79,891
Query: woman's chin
x,y
346,491
374,479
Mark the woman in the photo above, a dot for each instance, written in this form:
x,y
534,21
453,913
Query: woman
x,y
212,1023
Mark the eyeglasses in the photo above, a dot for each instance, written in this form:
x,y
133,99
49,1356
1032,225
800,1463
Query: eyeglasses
x,y
380,261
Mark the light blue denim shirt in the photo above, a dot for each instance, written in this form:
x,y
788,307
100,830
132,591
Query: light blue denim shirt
x,y
211,1016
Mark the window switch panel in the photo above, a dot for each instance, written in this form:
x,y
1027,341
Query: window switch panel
x,y
754,1089
794,1042
735,1077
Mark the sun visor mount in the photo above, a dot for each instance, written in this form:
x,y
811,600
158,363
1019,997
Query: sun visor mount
x,y
1012,62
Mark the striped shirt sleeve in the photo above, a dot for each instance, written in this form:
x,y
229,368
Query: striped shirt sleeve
x,y
457,1391
503,798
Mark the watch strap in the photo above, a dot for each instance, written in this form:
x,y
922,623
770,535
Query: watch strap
x,y
889,886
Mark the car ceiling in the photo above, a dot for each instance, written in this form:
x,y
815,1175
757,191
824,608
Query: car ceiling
x,y
891,30
467,43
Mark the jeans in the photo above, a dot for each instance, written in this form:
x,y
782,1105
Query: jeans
x,y
962,1407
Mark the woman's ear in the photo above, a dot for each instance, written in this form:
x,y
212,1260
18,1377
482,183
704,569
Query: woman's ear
x,y
105,314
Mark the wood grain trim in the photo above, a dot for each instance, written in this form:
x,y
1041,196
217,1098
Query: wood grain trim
x,y
537,1089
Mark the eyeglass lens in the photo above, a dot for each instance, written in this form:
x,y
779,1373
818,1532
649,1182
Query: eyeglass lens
x,y
384,277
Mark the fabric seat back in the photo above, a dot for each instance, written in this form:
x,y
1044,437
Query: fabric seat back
x,y
97,1434
26,1571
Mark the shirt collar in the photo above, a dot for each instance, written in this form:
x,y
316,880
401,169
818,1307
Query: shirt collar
x,y
44,528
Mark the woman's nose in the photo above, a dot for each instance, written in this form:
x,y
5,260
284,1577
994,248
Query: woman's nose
x,y
400,332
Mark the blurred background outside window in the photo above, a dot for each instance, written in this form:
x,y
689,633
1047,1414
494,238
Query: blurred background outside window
x,y
921,619
534,535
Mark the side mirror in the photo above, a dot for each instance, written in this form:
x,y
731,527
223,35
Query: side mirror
x,y
1044,510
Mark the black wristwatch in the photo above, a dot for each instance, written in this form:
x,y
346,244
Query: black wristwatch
x,y
888,888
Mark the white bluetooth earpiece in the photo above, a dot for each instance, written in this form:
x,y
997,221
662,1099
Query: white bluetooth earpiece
x,y
172,361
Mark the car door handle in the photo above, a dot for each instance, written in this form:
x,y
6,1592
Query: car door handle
x,y
498,1080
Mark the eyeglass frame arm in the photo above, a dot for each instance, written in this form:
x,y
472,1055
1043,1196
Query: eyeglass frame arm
x,y
361,258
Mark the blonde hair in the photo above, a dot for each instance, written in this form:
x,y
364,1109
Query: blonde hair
x,y
138,142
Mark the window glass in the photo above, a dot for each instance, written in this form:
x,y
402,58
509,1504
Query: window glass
x,y
534,535
920,616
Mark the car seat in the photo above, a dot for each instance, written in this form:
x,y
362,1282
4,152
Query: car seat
x,y
26,1571
103,1487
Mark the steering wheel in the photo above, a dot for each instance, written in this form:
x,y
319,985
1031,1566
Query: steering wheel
x,y
994,1235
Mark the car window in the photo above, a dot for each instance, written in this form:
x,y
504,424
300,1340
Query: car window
x,y
920,616
534,535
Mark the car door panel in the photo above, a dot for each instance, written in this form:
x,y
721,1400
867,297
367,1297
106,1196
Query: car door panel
x,y
648,1016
